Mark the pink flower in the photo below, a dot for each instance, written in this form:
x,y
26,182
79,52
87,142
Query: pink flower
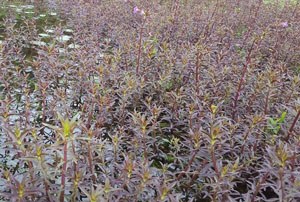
x,y
284,24
125,0
137,10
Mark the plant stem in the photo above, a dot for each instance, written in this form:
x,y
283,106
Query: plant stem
x,y
63,172
248,61
267,101
293,125
281,174
259,186
197,72
189,164
145,148
140,46
91,162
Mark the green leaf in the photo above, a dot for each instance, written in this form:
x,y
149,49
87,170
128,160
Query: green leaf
x,y
165,140
281,118
272,121
170,158
237,9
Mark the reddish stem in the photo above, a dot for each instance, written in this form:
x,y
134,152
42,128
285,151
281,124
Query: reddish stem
x,y
197,72
267,101
189,164
91,162
213,156
259,186
281,174
63,172
140,46
293,125
248,61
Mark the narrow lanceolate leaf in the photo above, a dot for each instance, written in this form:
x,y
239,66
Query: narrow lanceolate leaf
x,y
57,129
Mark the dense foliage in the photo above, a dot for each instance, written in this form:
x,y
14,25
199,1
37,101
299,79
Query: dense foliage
x,y
161,100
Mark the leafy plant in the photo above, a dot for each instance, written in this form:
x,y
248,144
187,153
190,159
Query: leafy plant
x,y
170,100
275,128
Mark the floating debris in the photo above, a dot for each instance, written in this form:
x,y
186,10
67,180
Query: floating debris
x,y
44,35
38,43
63,38
72,46
27,6
29,12
69,30
50,31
